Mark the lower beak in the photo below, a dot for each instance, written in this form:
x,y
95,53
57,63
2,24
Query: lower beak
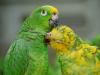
x,y
53,21
47,39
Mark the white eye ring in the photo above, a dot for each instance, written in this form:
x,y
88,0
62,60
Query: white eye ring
x,y
43,13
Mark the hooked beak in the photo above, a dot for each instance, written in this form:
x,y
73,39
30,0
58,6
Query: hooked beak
x,y
53,21
47,38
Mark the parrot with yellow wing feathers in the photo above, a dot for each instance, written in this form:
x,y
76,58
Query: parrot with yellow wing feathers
x,y
76,57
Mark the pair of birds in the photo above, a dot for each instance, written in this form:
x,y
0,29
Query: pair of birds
x,y
28,55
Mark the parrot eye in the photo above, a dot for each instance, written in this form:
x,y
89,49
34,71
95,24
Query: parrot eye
x,y
43,13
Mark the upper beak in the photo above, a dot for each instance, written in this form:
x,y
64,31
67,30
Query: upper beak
x,y
53,21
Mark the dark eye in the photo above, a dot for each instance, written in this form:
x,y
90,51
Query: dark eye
x,y
43,13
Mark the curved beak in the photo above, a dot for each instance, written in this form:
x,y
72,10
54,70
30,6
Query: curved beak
x,y
53,21
47,38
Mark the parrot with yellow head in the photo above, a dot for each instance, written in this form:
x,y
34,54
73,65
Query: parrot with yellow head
x,y
76,57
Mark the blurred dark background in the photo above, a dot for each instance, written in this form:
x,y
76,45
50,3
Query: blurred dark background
x,y
82,15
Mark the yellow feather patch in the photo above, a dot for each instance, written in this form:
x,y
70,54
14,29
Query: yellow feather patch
x,y
54,10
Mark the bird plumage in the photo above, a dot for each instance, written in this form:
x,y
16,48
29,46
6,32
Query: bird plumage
x,y
28,55
76,57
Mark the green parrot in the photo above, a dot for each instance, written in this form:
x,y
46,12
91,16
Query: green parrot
x,y
28,55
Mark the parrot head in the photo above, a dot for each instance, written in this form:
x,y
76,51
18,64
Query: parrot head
x,y
45,17
61,36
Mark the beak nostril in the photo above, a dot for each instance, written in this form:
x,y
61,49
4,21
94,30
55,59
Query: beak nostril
x,y
54,13
48,34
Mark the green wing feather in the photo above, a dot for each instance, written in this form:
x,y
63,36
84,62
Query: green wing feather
x,y
16,59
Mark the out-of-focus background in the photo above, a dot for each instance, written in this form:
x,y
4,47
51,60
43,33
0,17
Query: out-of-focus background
x,y
81,15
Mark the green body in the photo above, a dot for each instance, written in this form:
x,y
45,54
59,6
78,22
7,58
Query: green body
x,y
28,55
26,58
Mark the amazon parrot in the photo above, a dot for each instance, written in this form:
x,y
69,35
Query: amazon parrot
x,y
76,56
28,54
